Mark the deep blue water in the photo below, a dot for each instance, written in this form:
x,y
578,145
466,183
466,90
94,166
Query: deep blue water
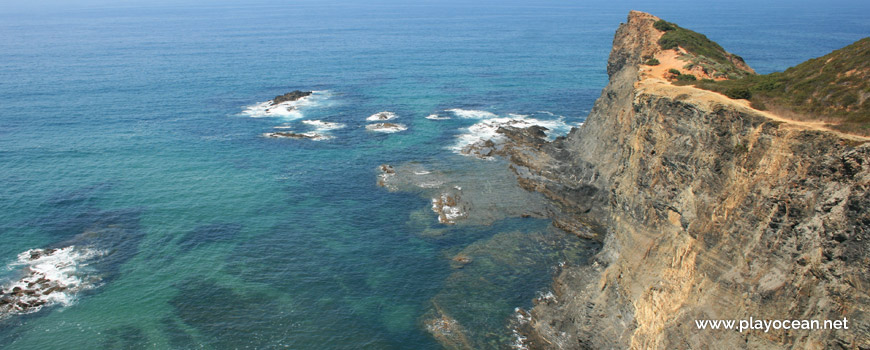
x,y
121,129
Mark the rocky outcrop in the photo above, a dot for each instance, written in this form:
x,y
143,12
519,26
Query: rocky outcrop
x,y
381,116
297,135
386,127
292,96
449,207
708,209
48,277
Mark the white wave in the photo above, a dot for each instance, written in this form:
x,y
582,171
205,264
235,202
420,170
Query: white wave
x,y
422,172
314,136
488,130
287,110
51,276
386,127
382,116
320,125
283,127
430,184
472,114
436,117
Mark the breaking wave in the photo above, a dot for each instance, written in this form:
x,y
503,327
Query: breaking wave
x,y
488,129
471,114
47,277
287,110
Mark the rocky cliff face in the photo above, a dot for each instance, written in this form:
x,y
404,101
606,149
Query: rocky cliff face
x,y
708,210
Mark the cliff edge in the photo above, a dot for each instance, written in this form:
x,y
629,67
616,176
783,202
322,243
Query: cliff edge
x,y
708,209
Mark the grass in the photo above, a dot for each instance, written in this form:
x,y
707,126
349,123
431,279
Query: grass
x,y
702,51
834,87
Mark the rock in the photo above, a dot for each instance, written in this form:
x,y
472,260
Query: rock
x,y
480,149
382,116
294,95
53,289
386,127
449,208
298,136
447,331
387,174
460,261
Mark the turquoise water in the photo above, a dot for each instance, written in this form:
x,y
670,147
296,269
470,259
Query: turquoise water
x,y
122,130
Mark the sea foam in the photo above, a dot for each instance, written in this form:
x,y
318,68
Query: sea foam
x,y
381,116
488,130
437,117
472,114
50,277
287,110
386,127
320,125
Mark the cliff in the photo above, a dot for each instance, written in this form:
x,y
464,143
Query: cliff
x,y
708,209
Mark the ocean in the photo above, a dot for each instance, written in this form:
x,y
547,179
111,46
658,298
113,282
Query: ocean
x,y
134,166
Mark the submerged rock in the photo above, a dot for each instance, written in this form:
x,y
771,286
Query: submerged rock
x,y
459,261
387,174
447,331
448,207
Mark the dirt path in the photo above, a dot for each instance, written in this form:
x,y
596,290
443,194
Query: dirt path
x,y
662,87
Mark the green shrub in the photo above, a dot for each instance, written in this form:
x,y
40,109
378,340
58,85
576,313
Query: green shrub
x,y
849,100
738,93
674,71
766,83
652,62
757,104
686,77
664,26
693,42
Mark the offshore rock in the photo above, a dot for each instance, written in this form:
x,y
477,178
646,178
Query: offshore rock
x,y
295,135
292,96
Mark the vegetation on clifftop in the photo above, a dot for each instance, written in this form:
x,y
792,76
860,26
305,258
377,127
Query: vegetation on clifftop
x,y
701,51
834,88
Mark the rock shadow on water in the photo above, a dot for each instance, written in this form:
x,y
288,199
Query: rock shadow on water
x,y
176,334
125,337
69,213
230,319
209,233
200,236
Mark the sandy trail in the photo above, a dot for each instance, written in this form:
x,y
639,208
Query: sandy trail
x,y
660,86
